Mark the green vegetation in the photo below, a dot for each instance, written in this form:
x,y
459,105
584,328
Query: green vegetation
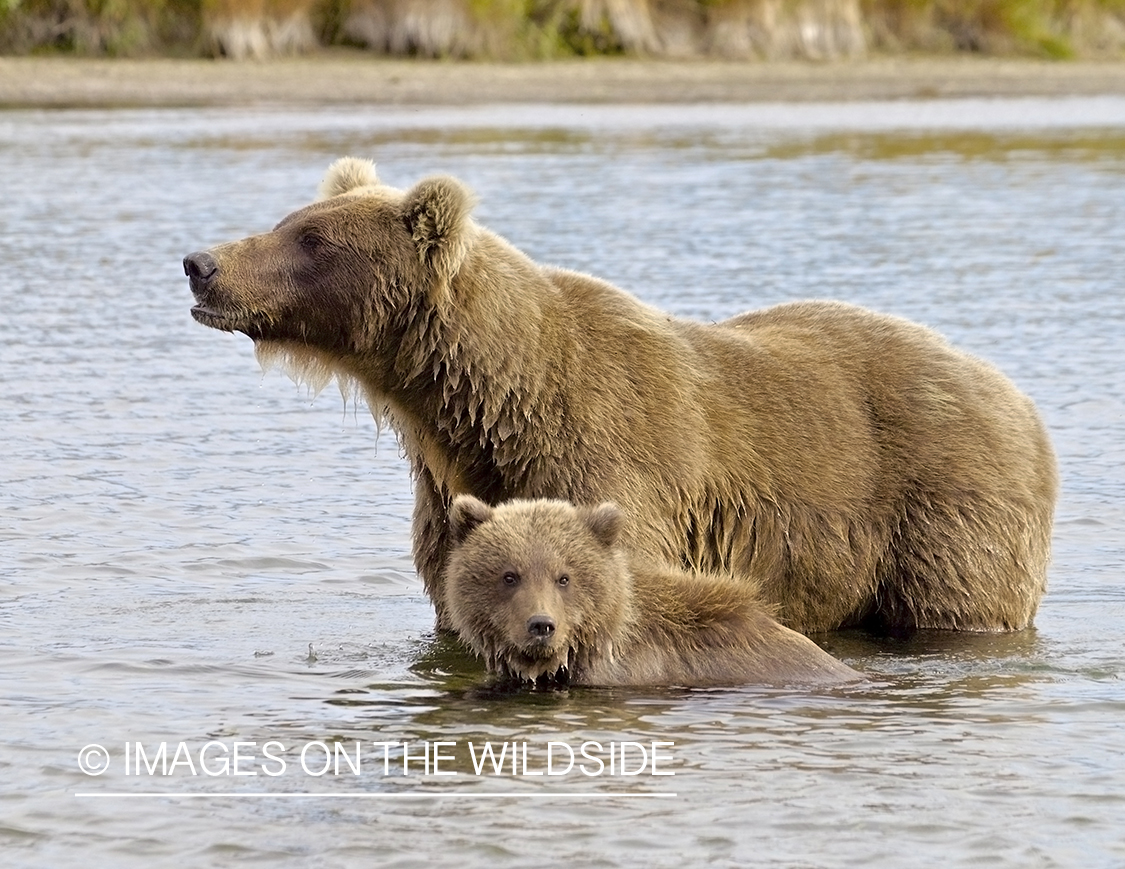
x,y
529,29
1069,145
110,27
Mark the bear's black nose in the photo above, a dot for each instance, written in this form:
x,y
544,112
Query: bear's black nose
x,y
199,266
541,627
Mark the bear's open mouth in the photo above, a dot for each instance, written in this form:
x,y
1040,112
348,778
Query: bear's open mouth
x,y
221,320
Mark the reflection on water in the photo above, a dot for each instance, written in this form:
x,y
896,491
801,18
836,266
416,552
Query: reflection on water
x,y
194,552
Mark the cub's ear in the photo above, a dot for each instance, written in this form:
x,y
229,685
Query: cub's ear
x,y
465,514
436,212
347,174
604,522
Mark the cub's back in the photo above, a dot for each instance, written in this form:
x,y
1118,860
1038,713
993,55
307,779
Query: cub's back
x,y
698,630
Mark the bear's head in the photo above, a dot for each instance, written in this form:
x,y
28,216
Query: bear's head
x,y
537,587
332,279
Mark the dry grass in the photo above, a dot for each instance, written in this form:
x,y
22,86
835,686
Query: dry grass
x,y
1052,28
526,29
817,29
259,28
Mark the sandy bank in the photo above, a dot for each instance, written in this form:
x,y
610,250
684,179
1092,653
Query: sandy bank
x,y
356,78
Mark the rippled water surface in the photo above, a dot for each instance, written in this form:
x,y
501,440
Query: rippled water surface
x,y
194,552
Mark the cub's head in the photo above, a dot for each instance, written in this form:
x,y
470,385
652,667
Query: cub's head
x,y
331,278
536,587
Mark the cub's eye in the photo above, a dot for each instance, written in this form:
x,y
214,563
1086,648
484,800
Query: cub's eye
x,y
511,578
563,580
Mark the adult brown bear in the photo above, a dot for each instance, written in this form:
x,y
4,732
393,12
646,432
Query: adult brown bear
x,y
861,469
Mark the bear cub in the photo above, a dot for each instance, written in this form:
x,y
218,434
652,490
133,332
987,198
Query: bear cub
x,y
543,592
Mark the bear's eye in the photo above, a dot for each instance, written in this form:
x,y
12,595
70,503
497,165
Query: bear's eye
x,y
563,580
310,241
511,578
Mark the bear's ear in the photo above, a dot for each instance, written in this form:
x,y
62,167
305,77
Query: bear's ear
x,y
436,212
465,514
345,175
604,522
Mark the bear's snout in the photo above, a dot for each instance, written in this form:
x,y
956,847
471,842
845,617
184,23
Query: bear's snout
x,y
200,267
541,627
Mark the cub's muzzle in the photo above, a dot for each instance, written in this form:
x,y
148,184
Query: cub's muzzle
x,y
540,628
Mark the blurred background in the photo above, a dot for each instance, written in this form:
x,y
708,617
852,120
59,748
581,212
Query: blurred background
x,y
539,29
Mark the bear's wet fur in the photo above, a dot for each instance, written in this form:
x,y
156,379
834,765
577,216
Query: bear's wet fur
x,y
865,471
543,592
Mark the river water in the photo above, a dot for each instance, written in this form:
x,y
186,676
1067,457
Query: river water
x,y
197,554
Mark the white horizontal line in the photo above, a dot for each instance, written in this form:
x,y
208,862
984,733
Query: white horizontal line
x,y
385,796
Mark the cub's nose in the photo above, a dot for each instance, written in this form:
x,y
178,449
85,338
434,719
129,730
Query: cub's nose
x,y
540,627
200,266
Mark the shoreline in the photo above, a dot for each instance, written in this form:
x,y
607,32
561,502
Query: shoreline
x,y
358,78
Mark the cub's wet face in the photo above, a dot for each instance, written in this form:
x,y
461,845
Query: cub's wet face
x,y
531,614
528,583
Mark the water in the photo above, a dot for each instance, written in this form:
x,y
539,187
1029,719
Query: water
x,y
192,552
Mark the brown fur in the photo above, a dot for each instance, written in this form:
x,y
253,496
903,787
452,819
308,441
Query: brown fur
x,y
864,469
524,565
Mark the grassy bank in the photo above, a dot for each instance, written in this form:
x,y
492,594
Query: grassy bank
x,y
541,29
